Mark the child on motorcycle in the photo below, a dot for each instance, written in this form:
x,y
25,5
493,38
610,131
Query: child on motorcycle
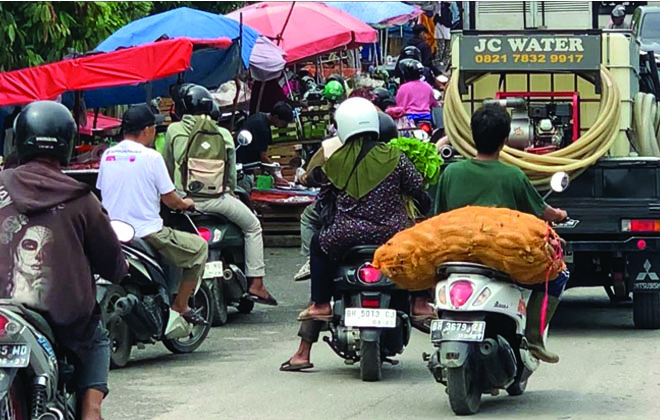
x,y
485,181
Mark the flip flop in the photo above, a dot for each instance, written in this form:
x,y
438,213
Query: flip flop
x,y
192,317
306,316
270,300
289,367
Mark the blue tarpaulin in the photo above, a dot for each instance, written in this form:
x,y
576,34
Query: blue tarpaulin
x,y
209,67
375,13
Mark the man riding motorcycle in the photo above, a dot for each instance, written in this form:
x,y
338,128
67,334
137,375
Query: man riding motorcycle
x,y
133,180
485,181
195,104
55,234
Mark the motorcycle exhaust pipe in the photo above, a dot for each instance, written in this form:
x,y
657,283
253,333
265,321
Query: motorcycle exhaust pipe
x,y
125,305
489,354
447,152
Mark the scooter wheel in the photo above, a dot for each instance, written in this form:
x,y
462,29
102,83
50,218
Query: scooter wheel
x,y
203,301
220,306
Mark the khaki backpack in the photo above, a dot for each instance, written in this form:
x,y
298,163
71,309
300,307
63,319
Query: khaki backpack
x,y
202,166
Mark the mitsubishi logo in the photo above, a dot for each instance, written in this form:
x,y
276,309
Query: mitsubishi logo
x,y
647,272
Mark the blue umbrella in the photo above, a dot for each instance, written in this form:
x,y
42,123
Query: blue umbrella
x,y
374,13
209,67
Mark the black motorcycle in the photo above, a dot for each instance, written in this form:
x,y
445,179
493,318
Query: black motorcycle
x,y
138,311
371,320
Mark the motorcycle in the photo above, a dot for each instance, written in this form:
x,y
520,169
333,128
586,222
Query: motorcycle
x,y
480,332
371,320
138,311
35,382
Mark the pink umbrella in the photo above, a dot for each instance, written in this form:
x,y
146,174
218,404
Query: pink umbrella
x,y
306,29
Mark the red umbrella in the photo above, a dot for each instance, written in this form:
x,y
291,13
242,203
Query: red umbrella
x,y
306,29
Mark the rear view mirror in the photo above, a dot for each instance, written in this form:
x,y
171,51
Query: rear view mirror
x,y
244,138
125,232
559,182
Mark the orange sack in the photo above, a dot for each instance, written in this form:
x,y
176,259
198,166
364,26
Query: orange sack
x,y
516,243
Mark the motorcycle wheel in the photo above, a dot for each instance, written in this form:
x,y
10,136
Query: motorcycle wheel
x,y
119,333
245,306
464,388
203,301
371,366
219,304
519,386
14,404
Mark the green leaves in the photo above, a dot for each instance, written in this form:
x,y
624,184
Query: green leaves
x,y
424,156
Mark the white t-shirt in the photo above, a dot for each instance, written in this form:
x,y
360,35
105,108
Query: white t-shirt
x,y
131,179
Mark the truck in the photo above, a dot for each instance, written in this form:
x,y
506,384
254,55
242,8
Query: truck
x,y
546,61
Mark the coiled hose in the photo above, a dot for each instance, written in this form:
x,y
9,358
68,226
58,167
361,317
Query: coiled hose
x,y
573,159
646,117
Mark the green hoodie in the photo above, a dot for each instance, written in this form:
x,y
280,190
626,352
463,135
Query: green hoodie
x,y
172,152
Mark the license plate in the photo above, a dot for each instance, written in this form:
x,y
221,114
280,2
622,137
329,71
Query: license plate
x,y
213,270
444,330
363,317
14,355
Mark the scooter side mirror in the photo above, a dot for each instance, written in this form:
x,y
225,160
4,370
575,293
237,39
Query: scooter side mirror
x,y
125,232
244,138
559,182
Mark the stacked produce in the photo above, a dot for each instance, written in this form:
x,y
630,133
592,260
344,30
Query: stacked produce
x,y
516,243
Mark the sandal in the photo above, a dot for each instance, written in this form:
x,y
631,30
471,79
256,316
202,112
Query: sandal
x,y
306,316
290,367
192,317
270,300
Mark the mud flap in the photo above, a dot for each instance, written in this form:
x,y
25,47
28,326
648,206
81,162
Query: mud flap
x,y
453,354
644,268
370,335
177,327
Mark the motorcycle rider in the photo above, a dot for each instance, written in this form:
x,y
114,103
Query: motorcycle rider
x,y
196,102
415,96
133,180
485,181
413,52
55,234
362,204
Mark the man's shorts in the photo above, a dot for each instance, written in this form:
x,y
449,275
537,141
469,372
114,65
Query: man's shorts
x,y
92,371
181,249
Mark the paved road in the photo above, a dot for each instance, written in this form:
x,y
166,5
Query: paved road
x,y
608,371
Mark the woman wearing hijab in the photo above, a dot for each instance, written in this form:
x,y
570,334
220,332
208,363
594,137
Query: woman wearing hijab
x,y
363,204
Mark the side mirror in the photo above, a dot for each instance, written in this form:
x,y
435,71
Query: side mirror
x,y
559,182
125,232
244,138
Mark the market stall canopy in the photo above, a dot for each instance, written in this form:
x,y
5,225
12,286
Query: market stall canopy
x,y
386,13
306,29
131,66
267,60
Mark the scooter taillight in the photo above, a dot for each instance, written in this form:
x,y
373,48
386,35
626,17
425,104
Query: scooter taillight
x,y
460,292
425,127
369,274
370,302
205,233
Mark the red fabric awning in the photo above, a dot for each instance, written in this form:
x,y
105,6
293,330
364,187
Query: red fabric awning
x,y
129,66
307,30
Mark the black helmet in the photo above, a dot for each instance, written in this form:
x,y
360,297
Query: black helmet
x,y
384,98
386,127
336,77
410,69
45,128
192,99
411,52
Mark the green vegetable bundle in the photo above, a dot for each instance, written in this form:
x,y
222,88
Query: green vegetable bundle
x,y
424,156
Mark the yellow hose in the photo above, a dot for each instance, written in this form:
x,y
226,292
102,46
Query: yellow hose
x,y
573,159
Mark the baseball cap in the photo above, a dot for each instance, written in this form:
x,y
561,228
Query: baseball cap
x,y
138,117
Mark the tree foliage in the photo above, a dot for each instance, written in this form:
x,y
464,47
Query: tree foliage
x,y
33,33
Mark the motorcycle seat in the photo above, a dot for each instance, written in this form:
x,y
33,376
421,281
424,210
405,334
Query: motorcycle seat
x,y
365,252
143,246
38,322
472,268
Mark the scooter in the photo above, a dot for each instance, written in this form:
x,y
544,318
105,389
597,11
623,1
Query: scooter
x,y
480,332
35,381
371,321
138,311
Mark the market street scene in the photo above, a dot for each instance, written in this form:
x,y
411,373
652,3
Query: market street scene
x,y
337,210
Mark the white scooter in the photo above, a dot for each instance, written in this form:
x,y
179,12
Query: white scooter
x,y
480,333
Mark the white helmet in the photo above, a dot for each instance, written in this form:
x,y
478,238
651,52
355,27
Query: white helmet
x,y
356,116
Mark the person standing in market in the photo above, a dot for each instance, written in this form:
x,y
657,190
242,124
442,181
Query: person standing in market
x,y
421,34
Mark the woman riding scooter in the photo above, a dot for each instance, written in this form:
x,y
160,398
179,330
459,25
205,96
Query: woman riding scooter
x,y
363,204
415,96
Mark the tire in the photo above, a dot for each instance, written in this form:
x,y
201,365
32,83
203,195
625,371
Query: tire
x,y
519,386
119,333
203,301
646,310
14,405
245,306
219,304
464,388
371,365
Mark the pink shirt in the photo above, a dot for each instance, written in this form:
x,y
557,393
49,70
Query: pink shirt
x,y
416,97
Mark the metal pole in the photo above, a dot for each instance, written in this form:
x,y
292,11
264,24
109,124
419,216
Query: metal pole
x,y
235,108
261,94
286,22
341,62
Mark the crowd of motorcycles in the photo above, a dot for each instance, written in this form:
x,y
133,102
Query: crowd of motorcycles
x,y
478,337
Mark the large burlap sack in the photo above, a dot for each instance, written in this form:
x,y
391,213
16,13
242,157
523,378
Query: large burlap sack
x,y
516,243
